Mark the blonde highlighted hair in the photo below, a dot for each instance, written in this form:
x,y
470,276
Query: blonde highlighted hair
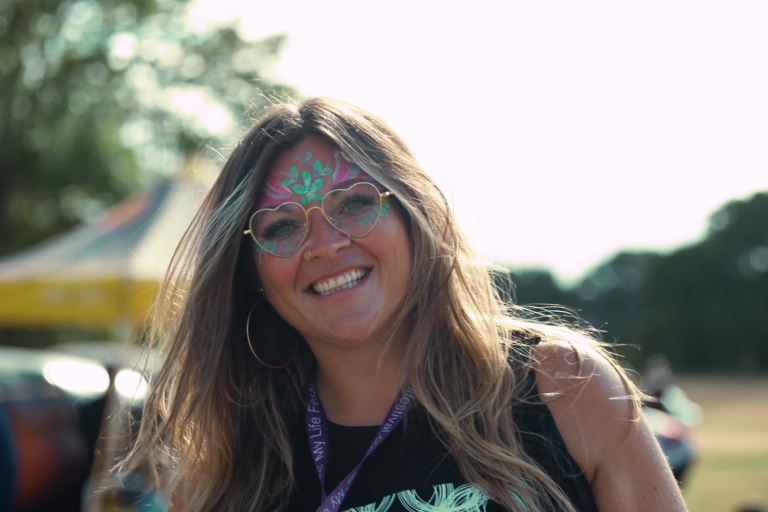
x,y
216,424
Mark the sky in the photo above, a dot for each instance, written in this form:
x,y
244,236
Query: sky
x,y
563,132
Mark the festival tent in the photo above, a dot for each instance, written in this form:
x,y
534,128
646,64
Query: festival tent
x,y
102,274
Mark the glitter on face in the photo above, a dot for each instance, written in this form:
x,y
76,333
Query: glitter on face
x,y
309,185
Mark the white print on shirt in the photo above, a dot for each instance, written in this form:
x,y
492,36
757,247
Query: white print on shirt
x,y
445,498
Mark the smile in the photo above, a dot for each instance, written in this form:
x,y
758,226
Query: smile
x,y
344,281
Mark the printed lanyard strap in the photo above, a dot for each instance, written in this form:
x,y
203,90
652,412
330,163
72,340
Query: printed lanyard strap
x,y
317,432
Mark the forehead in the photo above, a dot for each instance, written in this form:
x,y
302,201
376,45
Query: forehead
x,y
318,147
304,173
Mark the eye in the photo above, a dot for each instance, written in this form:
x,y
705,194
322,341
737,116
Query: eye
x,y
279,229
356,203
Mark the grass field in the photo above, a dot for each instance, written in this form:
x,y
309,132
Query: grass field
x,y
732,441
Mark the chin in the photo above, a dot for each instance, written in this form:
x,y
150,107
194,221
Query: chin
x,y
351,331
352,335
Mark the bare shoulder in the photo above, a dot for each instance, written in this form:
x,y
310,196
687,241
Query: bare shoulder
x,y
587,398
603,431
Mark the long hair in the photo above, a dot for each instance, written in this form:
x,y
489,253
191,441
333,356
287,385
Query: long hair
x,y
216,426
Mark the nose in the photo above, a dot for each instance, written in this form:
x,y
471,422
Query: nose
x,y
323,239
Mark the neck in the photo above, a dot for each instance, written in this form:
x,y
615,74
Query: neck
x,y
358,386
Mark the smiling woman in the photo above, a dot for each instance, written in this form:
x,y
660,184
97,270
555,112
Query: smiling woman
x,y
334,344
349,262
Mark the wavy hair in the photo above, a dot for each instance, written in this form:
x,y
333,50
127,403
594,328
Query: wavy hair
x,y
216,427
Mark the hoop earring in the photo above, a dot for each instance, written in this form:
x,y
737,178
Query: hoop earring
x,y
250,345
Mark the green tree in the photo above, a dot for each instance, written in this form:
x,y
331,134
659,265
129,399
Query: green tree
x,y
707,303
612,300
538,286
100,97
703,306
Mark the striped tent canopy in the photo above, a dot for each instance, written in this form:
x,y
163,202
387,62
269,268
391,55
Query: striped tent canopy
x,y
102,274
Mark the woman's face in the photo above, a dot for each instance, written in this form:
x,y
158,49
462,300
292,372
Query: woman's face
x,y
304,287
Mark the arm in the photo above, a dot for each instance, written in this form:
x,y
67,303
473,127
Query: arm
x,y
617,452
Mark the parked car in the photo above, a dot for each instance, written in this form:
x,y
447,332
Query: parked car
x,y
65,416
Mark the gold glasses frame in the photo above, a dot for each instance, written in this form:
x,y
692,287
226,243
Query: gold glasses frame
x,y
307,225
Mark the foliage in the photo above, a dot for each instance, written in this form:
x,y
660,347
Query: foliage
x,y
99,97
703,306
707,303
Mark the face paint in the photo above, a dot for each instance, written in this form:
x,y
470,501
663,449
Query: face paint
x,y
309,185
385,209
314,173
306,160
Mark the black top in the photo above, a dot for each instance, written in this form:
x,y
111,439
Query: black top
x,y
411,470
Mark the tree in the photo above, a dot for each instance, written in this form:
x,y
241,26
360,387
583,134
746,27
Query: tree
x,y
612,300
538,286
100,97
703,305
707,302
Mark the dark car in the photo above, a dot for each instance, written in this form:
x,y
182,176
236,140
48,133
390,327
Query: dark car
x,y
64,420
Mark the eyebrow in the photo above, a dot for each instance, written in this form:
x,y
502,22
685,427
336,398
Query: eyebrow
x,y
354,181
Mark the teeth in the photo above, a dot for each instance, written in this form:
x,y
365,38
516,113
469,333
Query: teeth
x,y
342,282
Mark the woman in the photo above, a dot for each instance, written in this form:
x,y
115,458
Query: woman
x,y
333,344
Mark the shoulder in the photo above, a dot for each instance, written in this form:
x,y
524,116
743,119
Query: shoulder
x,y
593,407
587,398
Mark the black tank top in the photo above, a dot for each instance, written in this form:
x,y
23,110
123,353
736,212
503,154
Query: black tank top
x,y
412,471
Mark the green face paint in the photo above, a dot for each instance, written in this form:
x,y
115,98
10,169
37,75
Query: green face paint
x,y
308,185
309,190
293,178
385,209
319,171
299,182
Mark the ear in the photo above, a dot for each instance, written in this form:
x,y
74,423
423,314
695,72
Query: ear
x,y
257,282
260,290
247,264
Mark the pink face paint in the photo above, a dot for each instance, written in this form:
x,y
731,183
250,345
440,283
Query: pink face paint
x,y
344,170
307,182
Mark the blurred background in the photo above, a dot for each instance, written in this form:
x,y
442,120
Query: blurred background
x,y
610,158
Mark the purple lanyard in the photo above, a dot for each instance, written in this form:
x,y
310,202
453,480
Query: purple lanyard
x,y
317,432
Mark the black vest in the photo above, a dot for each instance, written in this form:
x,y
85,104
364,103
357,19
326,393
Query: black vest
x,y
412,471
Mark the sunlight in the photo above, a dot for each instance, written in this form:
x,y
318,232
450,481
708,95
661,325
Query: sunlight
x,y
215,118
191,103
130,384
77,377
209,115
124,45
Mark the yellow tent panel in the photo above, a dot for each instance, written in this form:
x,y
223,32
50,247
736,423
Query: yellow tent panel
x,y
101,274
95,303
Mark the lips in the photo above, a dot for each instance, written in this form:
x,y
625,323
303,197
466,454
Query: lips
x,y
343,281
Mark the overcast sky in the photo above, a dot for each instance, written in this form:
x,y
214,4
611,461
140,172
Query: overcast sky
x,y
564,131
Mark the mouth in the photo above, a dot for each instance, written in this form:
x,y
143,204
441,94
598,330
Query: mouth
x,y
344,281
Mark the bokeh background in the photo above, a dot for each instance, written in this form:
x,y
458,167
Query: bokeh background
x,y
611,157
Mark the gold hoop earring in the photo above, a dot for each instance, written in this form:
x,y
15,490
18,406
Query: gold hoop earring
x,y
250,345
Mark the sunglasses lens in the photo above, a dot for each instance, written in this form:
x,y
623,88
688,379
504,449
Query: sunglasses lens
x,y
353,211
279,231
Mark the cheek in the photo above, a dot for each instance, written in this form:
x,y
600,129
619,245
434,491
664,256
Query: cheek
x,y
274,273
397,227
263,262
398,245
